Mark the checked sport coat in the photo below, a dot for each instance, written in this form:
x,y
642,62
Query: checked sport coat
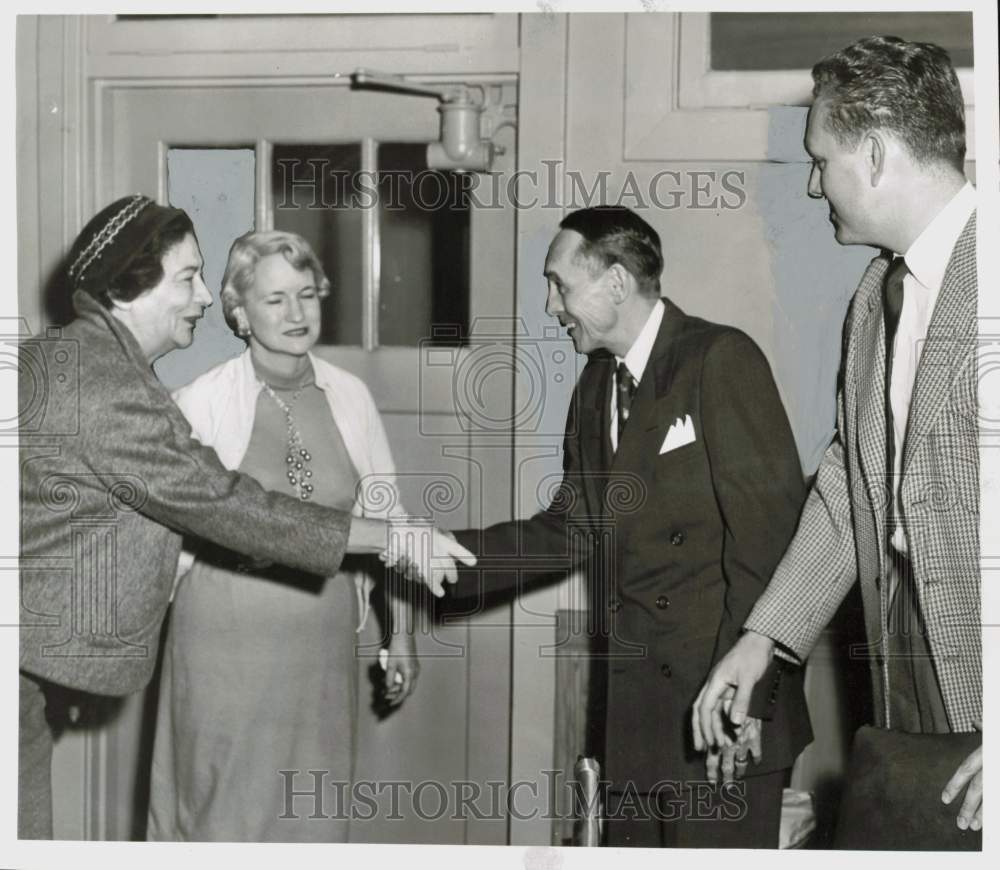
x,y
842,533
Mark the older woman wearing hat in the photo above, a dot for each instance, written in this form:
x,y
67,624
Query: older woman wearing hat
x,y
259,679
111,477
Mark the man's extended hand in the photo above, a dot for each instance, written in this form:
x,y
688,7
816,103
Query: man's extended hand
x,y
732,680
969,773
734,758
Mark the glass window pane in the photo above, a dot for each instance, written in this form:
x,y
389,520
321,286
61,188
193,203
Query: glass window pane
x,y
782,40
215,186
310,186
424,249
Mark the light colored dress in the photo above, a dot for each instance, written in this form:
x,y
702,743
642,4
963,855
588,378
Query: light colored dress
x,y
259,680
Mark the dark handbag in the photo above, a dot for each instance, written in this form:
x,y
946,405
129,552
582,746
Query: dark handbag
x,y
892,792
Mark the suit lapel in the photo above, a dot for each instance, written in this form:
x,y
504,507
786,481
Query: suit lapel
x,y
663,359
950,342
595,438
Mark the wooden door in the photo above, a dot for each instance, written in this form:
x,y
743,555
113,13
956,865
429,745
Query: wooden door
x,y
167,142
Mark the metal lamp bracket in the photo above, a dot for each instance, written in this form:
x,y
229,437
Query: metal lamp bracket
x,y
470,116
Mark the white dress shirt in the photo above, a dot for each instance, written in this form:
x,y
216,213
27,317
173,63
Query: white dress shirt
x,y
926,259
635,360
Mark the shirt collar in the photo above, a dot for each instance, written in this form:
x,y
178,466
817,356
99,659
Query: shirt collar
x,y
927,258
642,347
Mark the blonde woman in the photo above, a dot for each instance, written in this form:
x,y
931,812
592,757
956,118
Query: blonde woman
x,y
260,677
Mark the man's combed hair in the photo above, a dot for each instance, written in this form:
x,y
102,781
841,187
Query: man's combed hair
x,y
909,89
615,234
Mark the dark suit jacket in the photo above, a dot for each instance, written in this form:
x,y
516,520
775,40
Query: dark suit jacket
x,y
687,539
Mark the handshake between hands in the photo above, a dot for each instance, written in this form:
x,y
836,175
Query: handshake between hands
x,y
423,553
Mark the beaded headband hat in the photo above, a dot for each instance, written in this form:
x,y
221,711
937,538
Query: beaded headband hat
x,y
112,239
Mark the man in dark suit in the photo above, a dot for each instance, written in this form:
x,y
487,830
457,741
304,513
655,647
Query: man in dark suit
x,y
678,454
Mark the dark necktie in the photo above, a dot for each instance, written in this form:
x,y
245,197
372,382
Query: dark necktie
x,y
892,307
626,391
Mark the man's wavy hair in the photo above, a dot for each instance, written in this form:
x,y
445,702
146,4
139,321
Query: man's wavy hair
x,y
908,89
615,234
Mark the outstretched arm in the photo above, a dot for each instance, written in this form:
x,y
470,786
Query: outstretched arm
x,y
544,545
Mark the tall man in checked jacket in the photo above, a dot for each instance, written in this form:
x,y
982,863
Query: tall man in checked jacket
x,y
895,505
693,480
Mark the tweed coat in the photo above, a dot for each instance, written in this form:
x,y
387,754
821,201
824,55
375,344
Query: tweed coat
x,y
842,534
685,539
110,477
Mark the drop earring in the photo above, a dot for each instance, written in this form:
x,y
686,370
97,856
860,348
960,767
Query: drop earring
x,y
242,324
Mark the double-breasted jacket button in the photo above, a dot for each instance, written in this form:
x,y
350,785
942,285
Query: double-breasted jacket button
x,y
614,605
662,602
677,538
665,670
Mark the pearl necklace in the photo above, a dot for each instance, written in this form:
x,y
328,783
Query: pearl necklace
x,y
298,457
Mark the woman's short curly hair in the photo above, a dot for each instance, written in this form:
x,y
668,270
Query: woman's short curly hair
x,y
248,250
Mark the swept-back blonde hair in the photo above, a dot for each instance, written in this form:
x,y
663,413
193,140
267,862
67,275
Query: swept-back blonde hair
x,y
248,250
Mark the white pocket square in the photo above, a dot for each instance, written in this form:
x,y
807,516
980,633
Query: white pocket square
x,y
679,434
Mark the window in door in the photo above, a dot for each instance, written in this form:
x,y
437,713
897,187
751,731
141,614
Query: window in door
x,y
392,235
